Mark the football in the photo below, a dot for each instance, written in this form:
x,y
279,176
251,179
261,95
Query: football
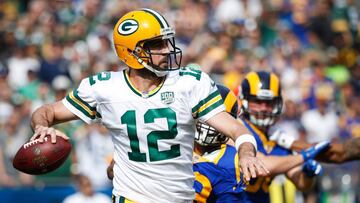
x,y
37,158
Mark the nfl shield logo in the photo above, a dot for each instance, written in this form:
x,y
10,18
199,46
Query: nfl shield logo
x,y
167,97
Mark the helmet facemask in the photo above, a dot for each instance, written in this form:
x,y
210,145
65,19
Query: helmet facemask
x,y
262,119
144,54
261,100
208,136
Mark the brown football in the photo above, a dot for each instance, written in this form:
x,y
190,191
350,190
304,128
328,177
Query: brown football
x,y
38,158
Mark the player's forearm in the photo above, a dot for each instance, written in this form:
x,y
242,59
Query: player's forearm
x,y
244,141
335,153
247,149
301,181
304,183
281,164
43,116
351,149
298,145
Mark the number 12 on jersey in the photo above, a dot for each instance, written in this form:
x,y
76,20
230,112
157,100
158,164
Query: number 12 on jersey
x,y
129,119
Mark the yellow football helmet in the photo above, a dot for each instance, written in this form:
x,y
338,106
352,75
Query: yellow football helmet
x,y
138,30
209,136
260,87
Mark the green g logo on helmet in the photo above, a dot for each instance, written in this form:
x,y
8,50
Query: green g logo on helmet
x,y
128,27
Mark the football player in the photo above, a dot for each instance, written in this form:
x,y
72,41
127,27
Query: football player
x,y
261,106
217,175
150,109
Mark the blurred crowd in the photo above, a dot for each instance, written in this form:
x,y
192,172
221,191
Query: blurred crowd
x,y
314,47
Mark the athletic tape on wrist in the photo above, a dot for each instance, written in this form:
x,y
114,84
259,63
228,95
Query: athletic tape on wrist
x,y
245,138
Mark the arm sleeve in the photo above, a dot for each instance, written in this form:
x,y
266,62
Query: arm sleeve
x,y
82,102
207,100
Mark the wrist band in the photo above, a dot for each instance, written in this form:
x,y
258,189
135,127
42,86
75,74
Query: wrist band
x,y
245,138
286,141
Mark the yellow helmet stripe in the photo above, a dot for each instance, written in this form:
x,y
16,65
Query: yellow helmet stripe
x,y
274,84
254,81
230,101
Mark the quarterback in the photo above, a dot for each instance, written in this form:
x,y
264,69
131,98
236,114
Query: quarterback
x,y
150,109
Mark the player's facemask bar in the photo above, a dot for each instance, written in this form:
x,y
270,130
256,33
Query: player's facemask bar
x,y
208,136
263,119
144,53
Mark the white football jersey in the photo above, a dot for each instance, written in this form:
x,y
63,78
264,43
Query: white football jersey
x,y
153,133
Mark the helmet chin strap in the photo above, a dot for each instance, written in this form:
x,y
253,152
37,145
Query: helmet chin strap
x,y
157,72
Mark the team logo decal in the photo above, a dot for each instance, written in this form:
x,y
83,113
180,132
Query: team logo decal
x,y
167,97
128,27
37,151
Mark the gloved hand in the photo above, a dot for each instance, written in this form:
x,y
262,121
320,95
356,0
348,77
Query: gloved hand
x,y
311,152
282,139
312,168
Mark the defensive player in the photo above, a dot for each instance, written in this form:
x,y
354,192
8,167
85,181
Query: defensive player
x,y
217,176
261,105
150,109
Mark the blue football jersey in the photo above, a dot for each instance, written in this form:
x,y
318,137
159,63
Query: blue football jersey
x,y
218,178
257,190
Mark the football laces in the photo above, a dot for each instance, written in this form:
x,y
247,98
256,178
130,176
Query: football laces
x,y
33,142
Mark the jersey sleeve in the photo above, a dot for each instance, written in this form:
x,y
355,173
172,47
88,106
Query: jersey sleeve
x,y
82,102
207,100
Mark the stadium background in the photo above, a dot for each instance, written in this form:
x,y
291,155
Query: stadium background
x,y
47,47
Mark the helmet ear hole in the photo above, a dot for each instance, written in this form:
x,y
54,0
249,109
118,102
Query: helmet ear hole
x,y
137,50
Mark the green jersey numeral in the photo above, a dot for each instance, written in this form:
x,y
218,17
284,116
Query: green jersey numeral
x,y
129,119
191,71
100,76
152,138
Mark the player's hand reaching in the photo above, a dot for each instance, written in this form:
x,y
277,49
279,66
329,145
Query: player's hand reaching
x,y
311,152
312,168
42,131
251,166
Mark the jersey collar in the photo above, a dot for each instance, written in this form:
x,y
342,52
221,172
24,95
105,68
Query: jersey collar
x,y
268,144
138,92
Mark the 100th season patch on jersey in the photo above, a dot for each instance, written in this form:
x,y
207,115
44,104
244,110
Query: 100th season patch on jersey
x,y
153,132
